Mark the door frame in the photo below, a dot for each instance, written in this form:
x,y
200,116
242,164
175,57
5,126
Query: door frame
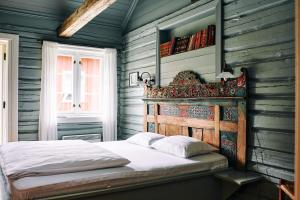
x,y
297,109
13,66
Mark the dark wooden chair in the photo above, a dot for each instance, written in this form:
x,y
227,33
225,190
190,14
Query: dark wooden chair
x,y
286,188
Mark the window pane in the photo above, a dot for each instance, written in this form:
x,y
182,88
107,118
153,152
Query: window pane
x,y
90,85
64,84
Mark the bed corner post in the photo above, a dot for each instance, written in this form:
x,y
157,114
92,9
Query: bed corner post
x,y
241,138
155,117
217,126
145,117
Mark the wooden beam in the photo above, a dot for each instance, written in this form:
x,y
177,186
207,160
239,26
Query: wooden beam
x,y
82,15
297,117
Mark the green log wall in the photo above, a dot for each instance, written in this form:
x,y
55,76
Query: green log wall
x,y
36,21
258,35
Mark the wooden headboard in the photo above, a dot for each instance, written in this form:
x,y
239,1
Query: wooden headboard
x,y
218,118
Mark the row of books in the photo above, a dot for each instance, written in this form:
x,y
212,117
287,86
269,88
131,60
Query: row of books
x,y
201,39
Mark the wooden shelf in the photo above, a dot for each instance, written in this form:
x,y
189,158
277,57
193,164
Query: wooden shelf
x,y
187,24
189,54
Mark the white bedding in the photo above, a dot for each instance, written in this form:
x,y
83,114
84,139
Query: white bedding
x,y
146,165
23,159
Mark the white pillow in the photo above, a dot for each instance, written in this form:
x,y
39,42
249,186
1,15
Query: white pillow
x,y
182,146
144,138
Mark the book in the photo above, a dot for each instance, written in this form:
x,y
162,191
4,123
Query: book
x,y
172,45
197,40
212,40
182,44
201,39
191,45
208,35
204,38
165,49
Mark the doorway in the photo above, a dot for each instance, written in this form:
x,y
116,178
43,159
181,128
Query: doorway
x,y
9,57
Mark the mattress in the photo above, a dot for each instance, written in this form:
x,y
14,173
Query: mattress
x,y
146,165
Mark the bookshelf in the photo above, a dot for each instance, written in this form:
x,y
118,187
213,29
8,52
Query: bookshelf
x,y
188,37
192,22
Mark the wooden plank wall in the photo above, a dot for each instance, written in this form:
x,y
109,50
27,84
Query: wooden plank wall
x,y
33,28
258,35
297,131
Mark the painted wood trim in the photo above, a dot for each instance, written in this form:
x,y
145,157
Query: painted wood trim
x,y
14,87
157,70
82,15
219,41
129,13
297,117
13,70
196,13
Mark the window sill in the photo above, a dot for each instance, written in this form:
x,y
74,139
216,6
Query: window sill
x,y
78,119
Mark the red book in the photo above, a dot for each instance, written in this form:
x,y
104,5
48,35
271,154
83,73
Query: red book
x,y
204,38
208,35
213,35
164,49
197,40
173,45
200,39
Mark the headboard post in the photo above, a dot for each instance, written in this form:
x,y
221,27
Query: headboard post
x,y
145,117
241,138
217,126
155,117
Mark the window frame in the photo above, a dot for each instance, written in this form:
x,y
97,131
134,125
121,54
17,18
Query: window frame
x,y
77,53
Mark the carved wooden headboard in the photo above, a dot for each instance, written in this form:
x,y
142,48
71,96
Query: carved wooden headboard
x,y
214,113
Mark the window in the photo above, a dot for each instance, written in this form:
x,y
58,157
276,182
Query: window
x,y
78,85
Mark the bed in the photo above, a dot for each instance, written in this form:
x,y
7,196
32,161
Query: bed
x,y
147,166
217,120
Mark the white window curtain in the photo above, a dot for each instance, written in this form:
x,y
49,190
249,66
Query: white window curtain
x,y
109,94
48,117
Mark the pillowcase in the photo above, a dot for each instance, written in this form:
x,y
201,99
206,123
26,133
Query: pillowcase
x,y
182,146
144,138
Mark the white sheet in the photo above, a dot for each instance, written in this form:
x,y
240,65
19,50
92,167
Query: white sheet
x,y
23,159
146,164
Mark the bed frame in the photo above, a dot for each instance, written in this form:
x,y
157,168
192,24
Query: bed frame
x,y
214,113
